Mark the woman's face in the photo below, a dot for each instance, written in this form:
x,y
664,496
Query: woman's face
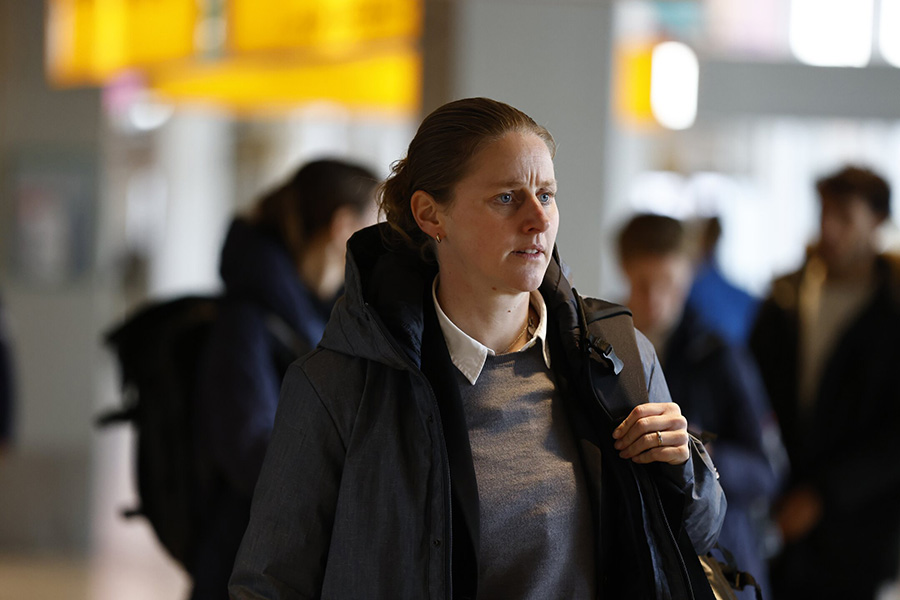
x,y
500,226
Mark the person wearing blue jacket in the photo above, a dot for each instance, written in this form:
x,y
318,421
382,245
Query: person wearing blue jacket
x,y
717,384
721,305
282,268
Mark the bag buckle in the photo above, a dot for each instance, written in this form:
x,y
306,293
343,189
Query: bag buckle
x,y
603,352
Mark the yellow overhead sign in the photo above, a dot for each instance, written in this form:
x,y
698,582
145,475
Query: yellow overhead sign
x,y
255,25
89,41
389,82
244,53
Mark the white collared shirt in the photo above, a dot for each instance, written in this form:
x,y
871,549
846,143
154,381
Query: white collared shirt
x,y
468,354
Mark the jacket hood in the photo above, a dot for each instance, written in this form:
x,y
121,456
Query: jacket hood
x,y
256,266
381,315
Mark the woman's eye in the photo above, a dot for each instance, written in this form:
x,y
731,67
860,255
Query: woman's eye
x,y
505,198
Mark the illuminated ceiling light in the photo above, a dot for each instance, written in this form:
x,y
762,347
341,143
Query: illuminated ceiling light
x,y
832,33
674,77
889,31
147,115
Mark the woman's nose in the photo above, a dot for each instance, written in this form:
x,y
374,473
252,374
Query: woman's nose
x,y
537,213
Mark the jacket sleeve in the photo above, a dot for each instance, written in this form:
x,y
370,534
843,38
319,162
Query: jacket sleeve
x,y
285,548
698,479
239,387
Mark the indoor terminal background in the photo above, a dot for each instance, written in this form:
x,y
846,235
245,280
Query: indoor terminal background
x,y
111,193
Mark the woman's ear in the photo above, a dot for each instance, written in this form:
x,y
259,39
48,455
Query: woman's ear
x,y
427,213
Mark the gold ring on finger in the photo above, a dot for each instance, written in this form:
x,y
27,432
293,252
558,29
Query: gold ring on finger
x,y
659,439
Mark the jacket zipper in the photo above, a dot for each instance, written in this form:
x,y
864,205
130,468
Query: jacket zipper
x,y
445,461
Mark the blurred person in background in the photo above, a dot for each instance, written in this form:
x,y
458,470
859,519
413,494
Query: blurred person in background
x,y
721,305
283,269
716,383
7,387
828,344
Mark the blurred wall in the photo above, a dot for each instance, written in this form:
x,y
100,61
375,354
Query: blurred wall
x,y
44,481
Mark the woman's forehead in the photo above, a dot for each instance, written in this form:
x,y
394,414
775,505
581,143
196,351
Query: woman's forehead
x,y
514,158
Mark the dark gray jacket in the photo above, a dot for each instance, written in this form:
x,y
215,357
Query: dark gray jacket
x,y
368,490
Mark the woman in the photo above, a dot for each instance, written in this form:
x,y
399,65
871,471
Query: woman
x,y
436,444
282,268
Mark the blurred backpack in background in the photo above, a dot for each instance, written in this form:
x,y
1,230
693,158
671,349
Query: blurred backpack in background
x,y
159,348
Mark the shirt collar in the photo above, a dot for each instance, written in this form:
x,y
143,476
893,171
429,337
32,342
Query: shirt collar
x,y
468,354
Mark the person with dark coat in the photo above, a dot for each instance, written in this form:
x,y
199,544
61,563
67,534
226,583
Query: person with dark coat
x,y
826,341
716,383
283,269
445,439
7,386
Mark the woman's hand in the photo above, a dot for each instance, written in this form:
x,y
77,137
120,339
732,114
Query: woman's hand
x,y
654,432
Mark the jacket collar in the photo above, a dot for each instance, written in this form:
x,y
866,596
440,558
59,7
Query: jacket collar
x,y
786,289
381,315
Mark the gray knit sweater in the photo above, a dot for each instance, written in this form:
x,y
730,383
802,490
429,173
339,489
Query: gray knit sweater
x,y
536,533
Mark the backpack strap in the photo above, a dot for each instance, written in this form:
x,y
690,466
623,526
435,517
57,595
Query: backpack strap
x,y
737,579
610,335
285,335
286,344
610,341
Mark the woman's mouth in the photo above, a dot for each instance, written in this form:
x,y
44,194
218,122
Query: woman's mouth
x,y
530,253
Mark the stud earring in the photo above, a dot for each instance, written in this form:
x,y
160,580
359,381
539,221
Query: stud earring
x,y
438,238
